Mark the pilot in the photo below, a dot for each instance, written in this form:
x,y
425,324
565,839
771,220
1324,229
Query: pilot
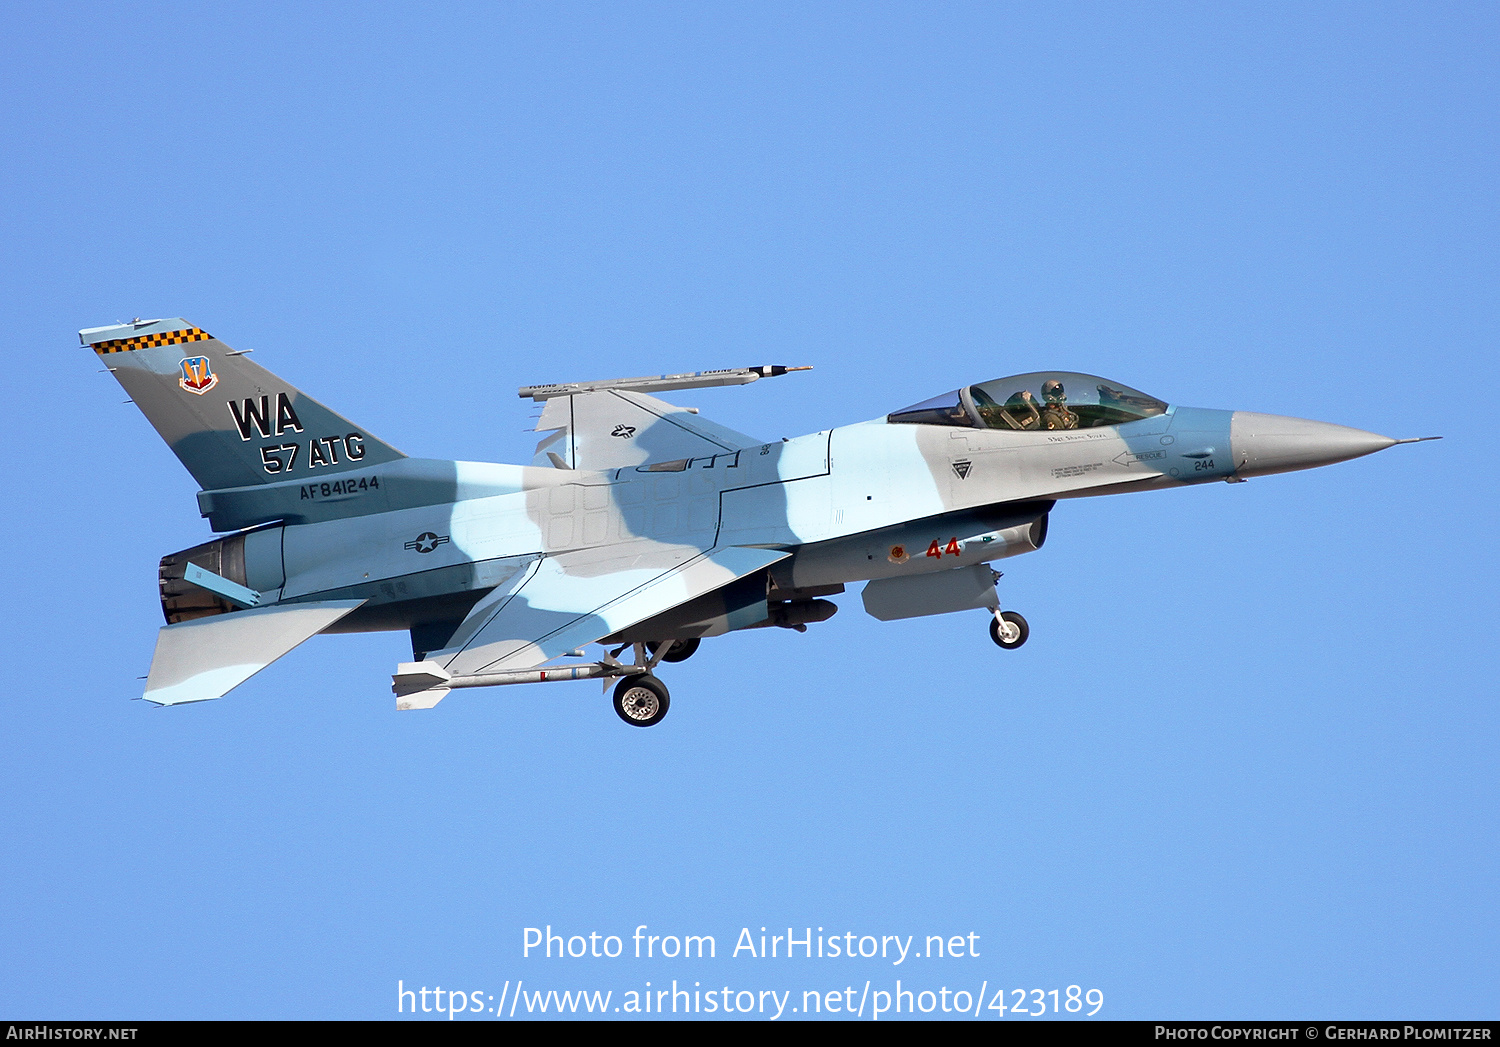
x,y
1020,411
1056,414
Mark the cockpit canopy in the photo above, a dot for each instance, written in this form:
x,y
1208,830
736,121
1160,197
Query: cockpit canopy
x,y
1043,400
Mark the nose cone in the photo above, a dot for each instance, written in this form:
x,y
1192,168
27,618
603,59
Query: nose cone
x,y
1273,443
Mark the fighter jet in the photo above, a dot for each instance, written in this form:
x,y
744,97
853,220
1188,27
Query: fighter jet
x,y
639,526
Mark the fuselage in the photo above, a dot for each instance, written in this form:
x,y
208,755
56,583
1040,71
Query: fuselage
x,y
636,523
422,540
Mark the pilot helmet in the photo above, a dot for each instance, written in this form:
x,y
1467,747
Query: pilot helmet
x,y
1052,391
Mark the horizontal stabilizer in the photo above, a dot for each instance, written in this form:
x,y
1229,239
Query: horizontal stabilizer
x,y
208,657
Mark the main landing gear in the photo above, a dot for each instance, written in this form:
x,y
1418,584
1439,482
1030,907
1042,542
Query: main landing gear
x,y
642,700
677,650
1009,629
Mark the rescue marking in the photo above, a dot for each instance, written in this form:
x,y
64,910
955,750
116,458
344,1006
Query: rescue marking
x,y
1135,457
961,468
1076,470
1069,437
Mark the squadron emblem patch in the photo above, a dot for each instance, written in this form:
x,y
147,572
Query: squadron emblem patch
x,y
197,376
898,554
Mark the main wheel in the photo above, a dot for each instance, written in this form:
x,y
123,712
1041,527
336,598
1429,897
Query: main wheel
x,y
641,700
1009,630
677,650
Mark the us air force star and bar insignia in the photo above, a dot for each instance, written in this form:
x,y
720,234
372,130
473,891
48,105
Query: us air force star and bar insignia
x,y
427,541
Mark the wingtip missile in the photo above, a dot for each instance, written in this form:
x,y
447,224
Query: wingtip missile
x,y
775,370
659,382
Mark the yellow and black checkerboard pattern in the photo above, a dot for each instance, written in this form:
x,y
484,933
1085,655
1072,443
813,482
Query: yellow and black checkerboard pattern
x,y
147,341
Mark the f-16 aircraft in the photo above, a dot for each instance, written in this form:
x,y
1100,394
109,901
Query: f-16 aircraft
x,y
639,526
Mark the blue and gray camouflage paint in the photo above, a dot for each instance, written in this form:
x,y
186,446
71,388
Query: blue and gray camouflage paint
x,y
637,520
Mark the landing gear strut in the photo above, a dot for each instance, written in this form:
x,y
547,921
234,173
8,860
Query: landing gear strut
x,y
641,700
1009,630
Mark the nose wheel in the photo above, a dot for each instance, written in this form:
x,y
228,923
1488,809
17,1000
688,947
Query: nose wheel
x,y
641,700
1009,630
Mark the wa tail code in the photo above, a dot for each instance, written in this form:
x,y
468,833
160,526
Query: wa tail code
x,y
249,413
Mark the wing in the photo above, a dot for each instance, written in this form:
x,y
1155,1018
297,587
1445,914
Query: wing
x,y
614,429
563,602
208,657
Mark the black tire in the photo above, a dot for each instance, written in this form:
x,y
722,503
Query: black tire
x,y
1014,619
678,650
641,700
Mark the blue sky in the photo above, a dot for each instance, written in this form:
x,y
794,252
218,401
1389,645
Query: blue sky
x,y
1245,767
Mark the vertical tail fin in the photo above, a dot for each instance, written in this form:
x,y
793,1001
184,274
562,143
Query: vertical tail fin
x,y
232,423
